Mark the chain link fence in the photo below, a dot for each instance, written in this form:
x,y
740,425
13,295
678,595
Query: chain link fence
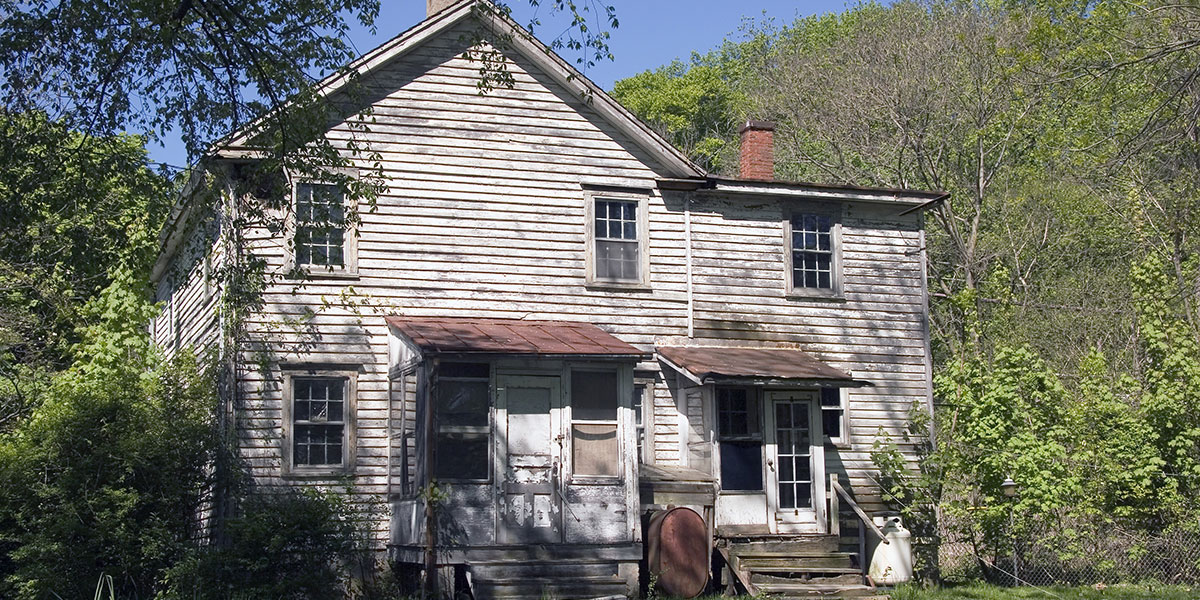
x,y
1081,554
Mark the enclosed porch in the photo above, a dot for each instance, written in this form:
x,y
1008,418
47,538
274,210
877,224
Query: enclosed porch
x,y
519,450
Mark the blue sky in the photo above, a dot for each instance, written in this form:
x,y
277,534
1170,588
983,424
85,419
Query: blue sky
x,y
651,33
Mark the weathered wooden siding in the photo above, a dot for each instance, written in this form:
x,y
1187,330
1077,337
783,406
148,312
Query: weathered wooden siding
x,y
875,332
483,215
189,293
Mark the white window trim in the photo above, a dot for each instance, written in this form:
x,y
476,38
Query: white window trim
x,y
647,384
349,240
844,440
836,290
643,240
349,433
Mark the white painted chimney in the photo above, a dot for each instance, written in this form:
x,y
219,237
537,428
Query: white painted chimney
x,y
433,7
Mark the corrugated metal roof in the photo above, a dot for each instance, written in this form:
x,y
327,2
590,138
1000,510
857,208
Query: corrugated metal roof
x,y
714,364
511,336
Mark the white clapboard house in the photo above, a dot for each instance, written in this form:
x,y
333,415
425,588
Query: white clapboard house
x,y
573,331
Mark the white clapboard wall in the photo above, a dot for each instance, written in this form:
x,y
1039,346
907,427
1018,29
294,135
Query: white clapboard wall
x,y
483,216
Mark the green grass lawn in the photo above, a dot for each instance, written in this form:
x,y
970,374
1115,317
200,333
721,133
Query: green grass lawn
x,y
988,592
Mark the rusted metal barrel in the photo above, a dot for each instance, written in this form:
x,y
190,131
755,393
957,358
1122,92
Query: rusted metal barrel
x,y
678,551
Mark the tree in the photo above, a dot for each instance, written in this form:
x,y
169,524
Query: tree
x,y
73,216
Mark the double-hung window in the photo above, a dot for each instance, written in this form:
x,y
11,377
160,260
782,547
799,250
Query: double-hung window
x,y
739,436
463,422
813,255
617,240
323,241
594,401
319,412
833,416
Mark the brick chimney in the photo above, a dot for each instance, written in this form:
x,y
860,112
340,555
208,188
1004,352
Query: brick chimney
x,y
433,7
758,151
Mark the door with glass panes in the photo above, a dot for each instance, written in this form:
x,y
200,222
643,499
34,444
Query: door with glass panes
x,y
796,461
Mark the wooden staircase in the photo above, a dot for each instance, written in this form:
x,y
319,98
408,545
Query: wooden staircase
x,y
536,580
793,566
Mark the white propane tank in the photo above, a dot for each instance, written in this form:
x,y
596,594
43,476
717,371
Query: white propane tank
x,y
892,562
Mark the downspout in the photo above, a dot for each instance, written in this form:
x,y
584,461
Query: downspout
x,y
687,243
928,346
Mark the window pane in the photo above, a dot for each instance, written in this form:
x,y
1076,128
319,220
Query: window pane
x,y
593,396
617,260
831,397
320,219
318,445
741,465
457,369
461,456
595,449
639,398
831,422
462,402
812,251
737,414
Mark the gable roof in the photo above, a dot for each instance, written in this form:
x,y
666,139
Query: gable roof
x,y
675,161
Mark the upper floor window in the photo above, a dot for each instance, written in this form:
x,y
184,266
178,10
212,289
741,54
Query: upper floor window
x,y
319,412
320,229
617,240
323,241
814,254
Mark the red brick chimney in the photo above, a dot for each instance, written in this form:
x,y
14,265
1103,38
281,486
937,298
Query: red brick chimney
x,y
758,151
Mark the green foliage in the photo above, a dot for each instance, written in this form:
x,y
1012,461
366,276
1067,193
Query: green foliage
x,y
108,476
284,544
74,209
694,106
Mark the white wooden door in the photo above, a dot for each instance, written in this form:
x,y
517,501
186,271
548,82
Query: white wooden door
x,y
529,451
796,461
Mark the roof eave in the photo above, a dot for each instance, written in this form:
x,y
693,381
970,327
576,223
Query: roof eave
x,y
896,196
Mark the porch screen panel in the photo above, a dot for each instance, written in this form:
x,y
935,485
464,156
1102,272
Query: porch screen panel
x,y
463,416
595,449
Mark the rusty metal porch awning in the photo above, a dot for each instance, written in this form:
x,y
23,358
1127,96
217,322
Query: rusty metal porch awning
x,y
510,337
754,366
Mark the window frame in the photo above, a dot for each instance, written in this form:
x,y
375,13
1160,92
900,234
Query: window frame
x,y
644,432
622,401
843,440
643,243
836,291
476,432
349,379
349,268
756,425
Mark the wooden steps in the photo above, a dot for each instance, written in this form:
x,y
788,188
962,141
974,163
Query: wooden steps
x,y
565,579
794,566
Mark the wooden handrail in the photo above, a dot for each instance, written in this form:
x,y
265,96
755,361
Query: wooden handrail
x,y
837,492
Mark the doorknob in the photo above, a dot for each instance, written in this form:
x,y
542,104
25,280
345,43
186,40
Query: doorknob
x,y
771,465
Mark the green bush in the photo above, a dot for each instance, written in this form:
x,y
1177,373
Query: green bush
x,y
285,543
107,477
